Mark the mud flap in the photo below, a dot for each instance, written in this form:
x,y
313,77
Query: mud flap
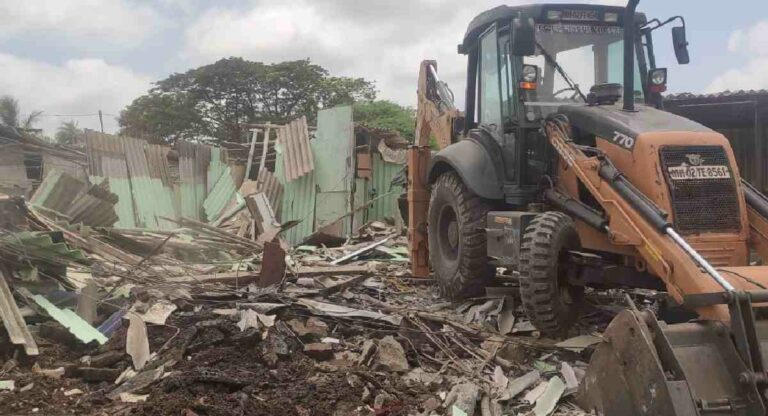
x,y
645,367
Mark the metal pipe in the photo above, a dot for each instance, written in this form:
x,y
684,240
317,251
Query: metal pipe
x,y
629,55
577,209
698,259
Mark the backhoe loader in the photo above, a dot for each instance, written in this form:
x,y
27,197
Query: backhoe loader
x,y
565,168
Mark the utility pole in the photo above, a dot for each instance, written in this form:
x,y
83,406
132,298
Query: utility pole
x,y
101,122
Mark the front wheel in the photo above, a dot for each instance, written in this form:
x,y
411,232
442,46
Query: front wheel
x,y
551,302
457,242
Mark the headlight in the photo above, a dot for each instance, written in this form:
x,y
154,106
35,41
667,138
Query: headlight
x,y
658,76
554,14
530,73
611,17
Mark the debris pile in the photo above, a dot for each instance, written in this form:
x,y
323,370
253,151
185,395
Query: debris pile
x,y
108,322
140,279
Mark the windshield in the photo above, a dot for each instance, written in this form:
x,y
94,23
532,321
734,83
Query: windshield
x,y
587,55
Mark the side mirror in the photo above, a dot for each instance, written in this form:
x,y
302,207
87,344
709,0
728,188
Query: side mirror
x,y
680,44
523,36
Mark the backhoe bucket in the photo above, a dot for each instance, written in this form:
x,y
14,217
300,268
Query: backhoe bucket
x,y
645,367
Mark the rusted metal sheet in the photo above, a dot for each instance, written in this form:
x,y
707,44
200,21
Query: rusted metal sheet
x,y
418,203
297,154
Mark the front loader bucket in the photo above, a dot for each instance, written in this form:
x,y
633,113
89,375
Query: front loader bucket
x,y
645,367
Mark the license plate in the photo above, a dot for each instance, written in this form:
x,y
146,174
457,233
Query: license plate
x,y
699,172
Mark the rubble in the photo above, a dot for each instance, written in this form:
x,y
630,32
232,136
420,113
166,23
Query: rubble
x,y
225,315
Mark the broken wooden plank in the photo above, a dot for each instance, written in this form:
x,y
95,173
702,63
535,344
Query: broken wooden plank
x,y
363,250
343,285
332,270
14,322
241,277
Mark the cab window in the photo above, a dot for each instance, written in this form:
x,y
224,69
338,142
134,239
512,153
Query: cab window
x,y
490,89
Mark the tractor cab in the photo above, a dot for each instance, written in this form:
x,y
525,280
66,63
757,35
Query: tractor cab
x,y
525,62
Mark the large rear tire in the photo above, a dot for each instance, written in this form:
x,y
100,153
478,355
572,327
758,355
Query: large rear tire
x,y
551,302
457,242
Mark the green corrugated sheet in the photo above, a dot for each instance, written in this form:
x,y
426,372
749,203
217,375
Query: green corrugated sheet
x,y
41,245
69,319
220,195
298,201
332,148
124,207
383,173
152,200
215,169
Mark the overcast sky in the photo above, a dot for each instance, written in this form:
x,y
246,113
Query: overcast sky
x,y
74,57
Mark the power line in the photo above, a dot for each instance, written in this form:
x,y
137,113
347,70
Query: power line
x,y
76,115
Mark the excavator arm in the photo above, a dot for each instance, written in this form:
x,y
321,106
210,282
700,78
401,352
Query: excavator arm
x,y
646,366
436,116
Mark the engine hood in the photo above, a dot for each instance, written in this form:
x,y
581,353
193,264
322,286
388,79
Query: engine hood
x,y
608,120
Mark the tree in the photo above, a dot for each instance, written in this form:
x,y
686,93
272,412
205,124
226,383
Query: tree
x,y
10,114
219,100
162,118
386,115
68,133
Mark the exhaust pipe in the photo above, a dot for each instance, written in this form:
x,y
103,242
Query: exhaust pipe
x,y
629,55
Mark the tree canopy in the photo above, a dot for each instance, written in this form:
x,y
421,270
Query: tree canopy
x,y
68,133
385,114
10,114
217,101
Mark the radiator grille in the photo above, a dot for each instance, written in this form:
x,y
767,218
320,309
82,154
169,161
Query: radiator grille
x,y
701,205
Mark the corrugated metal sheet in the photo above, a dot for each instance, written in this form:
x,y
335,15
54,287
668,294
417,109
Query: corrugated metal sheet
x,y
298,202
144,196
106,159
722,94
268,184
193,170
386,205
297,155
13,173
221,195
78,201
72,167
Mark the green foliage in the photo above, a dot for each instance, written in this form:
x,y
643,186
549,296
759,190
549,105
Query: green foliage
x,y
68,133
163,118
217,101
386,115
10,114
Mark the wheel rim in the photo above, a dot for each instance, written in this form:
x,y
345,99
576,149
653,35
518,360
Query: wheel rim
x,y
448,233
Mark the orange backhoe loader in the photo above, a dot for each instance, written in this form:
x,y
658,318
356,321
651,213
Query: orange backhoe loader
x,y
565,168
